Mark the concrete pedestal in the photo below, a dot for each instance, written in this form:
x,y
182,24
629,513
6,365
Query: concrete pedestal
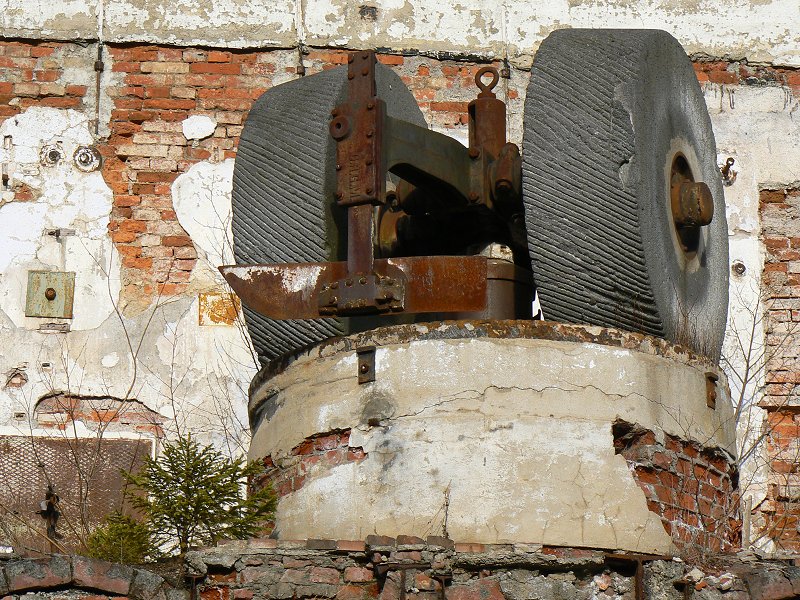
x,y
495,432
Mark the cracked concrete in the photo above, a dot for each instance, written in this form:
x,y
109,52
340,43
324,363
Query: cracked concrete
x,y
455,430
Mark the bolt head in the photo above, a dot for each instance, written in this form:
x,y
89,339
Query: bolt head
x,y
695,206
50,294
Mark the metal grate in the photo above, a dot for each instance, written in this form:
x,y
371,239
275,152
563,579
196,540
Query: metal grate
x,y
85,473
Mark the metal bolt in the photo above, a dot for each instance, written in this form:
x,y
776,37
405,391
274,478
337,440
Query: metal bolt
x,y
348,282
335,285
503,186
474,153
695,206
363,281
50,294
370,105
364,71
338,167
473,196
363,368
738,268
334,300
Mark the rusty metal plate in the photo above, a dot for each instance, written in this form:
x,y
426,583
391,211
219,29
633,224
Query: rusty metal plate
x,y
50,294
440,284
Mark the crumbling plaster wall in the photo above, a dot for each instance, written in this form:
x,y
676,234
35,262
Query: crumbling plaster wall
x,y
761,31
747,56
181,359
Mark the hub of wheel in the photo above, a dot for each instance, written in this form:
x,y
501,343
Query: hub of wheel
x,y
691,202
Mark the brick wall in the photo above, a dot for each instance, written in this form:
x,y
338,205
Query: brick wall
x,y
780,217
36,74
323,451
438,569
690,487
743,73
157,88
152,89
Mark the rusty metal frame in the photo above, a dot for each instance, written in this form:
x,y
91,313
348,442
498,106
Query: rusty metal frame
x,y
438,172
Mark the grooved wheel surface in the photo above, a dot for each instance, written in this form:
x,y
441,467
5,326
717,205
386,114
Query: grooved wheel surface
x,y
605,113
283,185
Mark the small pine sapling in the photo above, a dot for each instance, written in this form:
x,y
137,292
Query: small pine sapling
x,y
192,495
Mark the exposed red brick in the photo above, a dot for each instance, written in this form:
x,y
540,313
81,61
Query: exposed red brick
x,y
358,574
480,589
177,240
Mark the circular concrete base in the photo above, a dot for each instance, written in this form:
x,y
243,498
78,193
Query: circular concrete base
x,y
487,432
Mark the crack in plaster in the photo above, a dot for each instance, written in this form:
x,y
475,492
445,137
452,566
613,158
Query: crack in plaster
x,y
473,394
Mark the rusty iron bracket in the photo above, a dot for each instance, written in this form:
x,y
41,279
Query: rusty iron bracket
x,y
711,389
366,364
435,284
363,293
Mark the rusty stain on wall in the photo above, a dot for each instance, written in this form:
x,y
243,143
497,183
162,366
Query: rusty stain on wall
x,y
218,308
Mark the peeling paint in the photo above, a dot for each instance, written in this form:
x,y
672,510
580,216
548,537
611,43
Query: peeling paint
x,y
760,30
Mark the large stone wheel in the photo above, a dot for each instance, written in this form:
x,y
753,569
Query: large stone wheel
x,y
612,117
283,191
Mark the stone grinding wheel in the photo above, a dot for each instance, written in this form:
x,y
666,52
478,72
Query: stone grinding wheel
x,y
284,181
609,116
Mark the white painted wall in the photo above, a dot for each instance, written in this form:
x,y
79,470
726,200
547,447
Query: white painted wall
x,y
763,31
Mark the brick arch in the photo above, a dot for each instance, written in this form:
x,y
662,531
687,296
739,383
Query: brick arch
x,y
58,410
